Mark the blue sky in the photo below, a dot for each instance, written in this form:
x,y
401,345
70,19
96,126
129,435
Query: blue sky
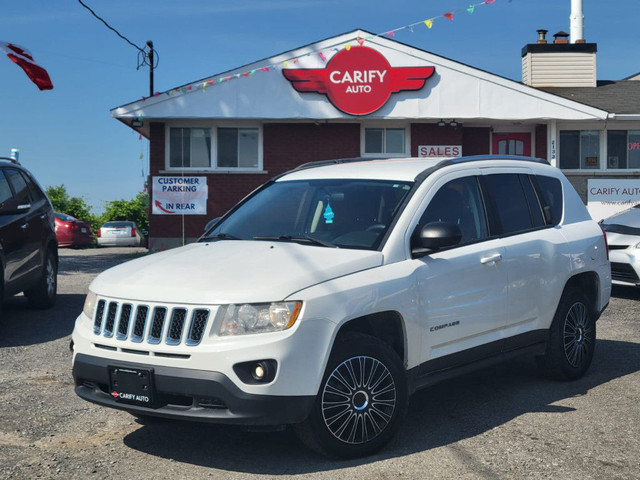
x,y
67,135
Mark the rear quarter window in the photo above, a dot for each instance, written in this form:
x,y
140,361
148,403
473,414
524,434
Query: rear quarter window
x,y
550,193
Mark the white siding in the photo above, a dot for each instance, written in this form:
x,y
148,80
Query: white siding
x,y
561,69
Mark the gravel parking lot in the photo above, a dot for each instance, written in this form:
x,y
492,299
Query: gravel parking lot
x,y
504,422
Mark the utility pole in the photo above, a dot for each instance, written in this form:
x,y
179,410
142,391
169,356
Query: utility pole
x,y
150,57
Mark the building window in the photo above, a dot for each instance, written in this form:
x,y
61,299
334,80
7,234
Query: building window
x,y
579,149
189,148
623,149
511,147
384,140
238,148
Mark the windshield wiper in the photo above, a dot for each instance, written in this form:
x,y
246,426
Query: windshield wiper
x,y
297,238
221,236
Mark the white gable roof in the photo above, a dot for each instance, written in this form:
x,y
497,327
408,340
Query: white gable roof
x,y
259,91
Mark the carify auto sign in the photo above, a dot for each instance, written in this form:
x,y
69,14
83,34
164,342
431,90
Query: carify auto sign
x,y
358,81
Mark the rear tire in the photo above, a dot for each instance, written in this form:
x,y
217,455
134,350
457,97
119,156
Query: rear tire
x,y
361,402
43,294
572,338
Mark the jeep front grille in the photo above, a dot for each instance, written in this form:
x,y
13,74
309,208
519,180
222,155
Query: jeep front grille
x,y
153,325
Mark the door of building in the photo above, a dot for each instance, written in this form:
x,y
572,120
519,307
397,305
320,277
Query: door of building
x,y
512,144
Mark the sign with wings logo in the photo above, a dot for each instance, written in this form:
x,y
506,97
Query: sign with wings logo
x,y
358,81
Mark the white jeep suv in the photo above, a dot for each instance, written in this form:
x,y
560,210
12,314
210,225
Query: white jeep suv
x,y
330,294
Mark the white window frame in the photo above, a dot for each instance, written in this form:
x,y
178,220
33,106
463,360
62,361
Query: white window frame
x,y
587,126
385,126
627,129
213,128
168,148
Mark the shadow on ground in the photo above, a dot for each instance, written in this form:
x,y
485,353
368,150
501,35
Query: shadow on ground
x,y
438,416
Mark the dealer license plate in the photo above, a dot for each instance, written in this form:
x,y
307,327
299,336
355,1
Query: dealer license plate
x,y
132,385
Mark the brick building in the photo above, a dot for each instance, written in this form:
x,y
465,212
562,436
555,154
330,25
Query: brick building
x,y
214,140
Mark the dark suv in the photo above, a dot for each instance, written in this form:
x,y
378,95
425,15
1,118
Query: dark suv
x,y
28,246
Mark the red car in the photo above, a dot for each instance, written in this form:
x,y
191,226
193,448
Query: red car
x,y
72,232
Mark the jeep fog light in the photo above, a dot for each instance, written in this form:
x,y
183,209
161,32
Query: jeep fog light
x,y
257,317
90,304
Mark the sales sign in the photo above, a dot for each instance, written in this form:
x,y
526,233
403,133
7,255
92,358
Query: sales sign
x,y
437,151
358,80
180,196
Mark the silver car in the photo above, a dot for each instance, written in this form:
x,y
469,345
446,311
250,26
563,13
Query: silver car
x,y
623,235
120,234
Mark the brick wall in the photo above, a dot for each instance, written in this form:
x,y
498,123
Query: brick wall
x,y
431,134
285,146
474,141
541,141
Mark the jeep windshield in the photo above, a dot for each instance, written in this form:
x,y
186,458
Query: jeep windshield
x,y
347,213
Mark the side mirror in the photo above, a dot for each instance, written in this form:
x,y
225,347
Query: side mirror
x,y
434,236
13,206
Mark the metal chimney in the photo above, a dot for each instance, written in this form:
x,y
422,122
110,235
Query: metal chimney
x,y
577,22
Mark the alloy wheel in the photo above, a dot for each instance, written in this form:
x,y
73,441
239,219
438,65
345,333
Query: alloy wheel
x,y
358,400
578,335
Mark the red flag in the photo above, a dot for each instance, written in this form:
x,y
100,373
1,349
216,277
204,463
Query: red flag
x,y
448,15
22,57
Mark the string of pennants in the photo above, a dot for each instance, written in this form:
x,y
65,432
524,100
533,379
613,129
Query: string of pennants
x,y
323,54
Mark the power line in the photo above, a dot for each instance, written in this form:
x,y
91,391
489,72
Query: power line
x,y
146,57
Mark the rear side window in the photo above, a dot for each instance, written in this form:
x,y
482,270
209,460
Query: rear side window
x,y
19,185
550,193
514,206
535,210
34,190
5,189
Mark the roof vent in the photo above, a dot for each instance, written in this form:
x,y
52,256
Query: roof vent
x,y
542,36
561,37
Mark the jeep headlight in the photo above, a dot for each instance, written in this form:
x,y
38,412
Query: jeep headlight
x,y
257,317
90,304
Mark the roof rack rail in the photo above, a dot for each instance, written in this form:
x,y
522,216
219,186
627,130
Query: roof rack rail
x,y
335,161
477,158
12,160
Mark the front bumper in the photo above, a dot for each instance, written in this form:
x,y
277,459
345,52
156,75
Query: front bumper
x,y
190,395
625,267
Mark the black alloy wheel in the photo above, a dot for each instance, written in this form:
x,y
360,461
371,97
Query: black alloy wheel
x,y
362,399
572,338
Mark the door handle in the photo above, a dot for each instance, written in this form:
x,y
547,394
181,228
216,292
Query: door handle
x,y
492,258
24,226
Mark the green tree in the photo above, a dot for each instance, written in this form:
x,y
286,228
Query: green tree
x,y
75,206
134,210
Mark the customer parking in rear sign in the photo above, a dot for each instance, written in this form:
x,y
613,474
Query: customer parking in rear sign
x,y
179,196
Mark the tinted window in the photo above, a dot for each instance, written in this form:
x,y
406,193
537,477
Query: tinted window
x,y
509,203
65,218
537,217
118,224
459,202
550,190
34,190
5,189
19,185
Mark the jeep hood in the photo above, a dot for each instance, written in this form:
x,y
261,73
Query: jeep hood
x,y
230,271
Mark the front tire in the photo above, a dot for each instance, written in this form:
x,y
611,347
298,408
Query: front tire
x,y
361,402
572,338
43,294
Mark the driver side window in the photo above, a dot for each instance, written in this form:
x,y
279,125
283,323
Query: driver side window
x,y
459,202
